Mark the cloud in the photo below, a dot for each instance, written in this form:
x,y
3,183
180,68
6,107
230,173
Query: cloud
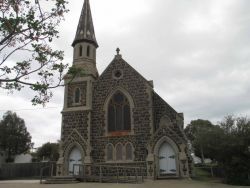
x,y
42,123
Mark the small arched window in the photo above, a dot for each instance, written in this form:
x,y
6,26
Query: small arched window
x,y
80,50
110,152
119,113
88,51
129,151
118,152
77,95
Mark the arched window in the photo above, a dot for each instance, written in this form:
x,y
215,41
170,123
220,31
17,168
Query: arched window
x,y
110,152
80,51
119,113
118,152
129,151
77,95
88,51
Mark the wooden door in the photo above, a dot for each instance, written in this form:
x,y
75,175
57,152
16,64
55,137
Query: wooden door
x,y
75,159
167,160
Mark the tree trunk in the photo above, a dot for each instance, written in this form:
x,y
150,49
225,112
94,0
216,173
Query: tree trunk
x,y
202,155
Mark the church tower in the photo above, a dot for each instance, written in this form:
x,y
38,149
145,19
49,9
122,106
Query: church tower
x,y
76,114
78,90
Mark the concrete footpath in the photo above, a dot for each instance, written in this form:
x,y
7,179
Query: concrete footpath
x,y
146,184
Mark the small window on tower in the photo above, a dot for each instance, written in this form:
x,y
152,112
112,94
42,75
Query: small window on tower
x,y
77,95
80,51
88,51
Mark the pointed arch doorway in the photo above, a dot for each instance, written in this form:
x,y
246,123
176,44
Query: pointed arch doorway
x,y
75,159
167,160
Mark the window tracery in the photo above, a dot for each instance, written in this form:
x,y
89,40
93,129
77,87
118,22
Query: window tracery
x,y
119,113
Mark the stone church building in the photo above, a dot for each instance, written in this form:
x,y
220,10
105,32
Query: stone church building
x,y
116,118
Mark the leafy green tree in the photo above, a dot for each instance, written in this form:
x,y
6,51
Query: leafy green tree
x,y
14,137
48,151
27,28
204,137
233,151
228,143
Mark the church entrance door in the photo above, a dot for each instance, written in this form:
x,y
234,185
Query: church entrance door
x,y
167,160
75,159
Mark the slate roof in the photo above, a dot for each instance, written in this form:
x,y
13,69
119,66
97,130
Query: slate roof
x,y
85,30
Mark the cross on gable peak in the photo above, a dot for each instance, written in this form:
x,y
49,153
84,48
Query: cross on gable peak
x,y
118,51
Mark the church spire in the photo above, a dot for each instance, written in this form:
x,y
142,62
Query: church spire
x,y
85,30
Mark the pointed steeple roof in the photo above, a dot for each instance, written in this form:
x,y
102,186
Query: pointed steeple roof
x,y
85,30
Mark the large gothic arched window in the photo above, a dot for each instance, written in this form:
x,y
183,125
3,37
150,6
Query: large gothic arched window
x,y
119,113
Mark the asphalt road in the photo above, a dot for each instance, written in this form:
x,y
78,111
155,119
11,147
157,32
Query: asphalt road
x,y
147,184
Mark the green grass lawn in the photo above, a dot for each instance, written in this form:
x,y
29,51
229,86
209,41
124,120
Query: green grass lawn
x,y
204,175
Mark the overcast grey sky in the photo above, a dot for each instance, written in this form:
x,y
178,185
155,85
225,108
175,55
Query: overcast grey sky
x,y
197,52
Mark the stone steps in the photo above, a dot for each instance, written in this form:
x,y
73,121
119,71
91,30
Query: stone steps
x,y
60,180
111,179
103,179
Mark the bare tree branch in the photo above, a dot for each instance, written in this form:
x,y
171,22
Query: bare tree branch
x,y
20,47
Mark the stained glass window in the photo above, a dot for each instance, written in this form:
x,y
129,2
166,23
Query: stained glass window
x,y
111,118
126,117
119,113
